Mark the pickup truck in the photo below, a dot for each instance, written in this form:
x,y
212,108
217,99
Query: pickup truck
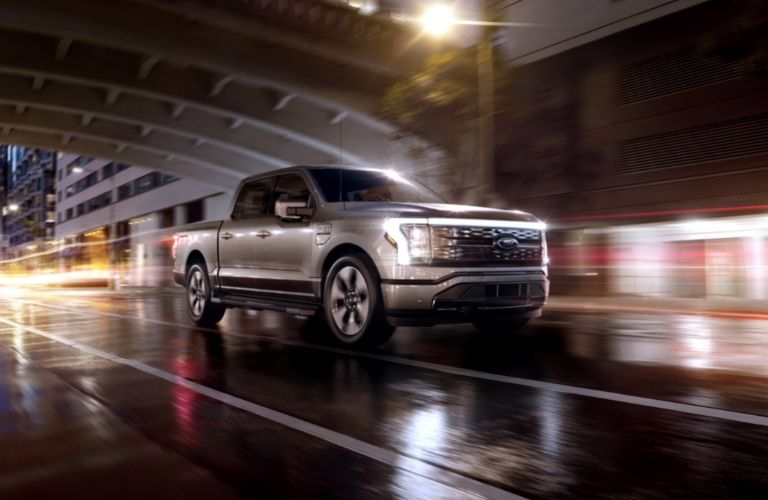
x,y
366,250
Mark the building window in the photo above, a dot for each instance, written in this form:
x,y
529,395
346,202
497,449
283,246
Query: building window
x,y
98,202
124,191
143,184
146,182
83,184
95,203
80,161
108,170
111,169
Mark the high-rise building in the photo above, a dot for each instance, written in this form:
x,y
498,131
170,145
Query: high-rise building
x,y
4,162
30,200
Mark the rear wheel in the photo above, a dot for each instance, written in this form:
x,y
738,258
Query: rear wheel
x,y
352,302
200,308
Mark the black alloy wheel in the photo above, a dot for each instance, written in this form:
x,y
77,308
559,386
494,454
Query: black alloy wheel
x,y
200,308
352,302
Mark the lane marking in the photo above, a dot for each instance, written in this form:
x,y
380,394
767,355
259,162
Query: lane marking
x,y
690,409
393,459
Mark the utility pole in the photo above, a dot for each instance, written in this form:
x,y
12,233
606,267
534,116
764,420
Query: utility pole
x,y
437,21
486,139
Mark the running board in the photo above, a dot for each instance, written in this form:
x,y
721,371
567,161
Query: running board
x,y
289,307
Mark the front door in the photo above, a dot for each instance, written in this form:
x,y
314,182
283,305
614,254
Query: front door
x,y
285,254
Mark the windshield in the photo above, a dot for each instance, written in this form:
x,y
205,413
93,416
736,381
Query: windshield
x,y
339,184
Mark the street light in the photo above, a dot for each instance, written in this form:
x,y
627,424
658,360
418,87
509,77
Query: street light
x,y
438,19
13,207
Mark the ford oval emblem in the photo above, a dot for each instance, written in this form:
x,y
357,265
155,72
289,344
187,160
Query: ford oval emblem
x,y
507,243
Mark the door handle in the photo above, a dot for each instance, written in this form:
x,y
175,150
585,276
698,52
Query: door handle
x,y
226,236
263,234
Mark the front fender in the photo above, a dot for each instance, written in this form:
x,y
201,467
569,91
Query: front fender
x,y
367,235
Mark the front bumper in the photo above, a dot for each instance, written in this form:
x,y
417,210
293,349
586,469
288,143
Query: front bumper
x,y
461,296
179,278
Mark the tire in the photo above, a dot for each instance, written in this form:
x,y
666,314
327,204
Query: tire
x,y
352,302
499,326
199,306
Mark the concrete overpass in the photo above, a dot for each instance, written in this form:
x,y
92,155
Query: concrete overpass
x,y
211,90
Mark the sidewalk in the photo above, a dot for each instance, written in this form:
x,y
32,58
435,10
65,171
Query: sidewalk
x,y
739,308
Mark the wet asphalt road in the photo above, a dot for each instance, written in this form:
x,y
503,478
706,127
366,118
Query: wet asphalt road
x,y
116,395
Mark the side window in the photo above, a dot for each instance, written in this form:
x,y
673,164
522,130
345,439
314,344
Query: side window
x,y
291,190
252,201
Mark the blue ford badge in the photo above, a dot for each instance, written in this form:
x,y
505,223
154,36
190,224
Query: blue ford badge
x,y
506,243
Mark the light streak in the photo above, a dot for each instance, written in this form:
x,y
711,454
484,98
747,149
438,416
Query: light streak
x,y
659,213
166,232
54,279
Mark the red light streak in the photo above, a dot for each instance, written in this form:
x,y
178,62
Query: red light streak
x,y
658,213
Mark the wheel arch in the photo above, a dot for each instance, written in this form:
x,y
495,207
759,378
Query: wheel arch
x,y
340,251
194,257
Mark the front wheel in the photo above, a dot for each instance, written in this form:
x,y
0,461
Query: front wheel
x,y
352,302
200,308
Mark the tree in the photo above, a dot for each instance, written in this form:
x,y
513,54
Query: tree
x,y
431,101
439,104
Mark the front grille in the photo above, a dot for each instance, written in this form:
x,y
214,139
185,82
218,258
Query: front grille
x,y
475,246
503,290
483,234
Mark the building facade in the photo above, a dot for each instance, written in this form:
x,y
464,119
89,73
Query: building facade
x,y
4,162
29,203
119,219
648,150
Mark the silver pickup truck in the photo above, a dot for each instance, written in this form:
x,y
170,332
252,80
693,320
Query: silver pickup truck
x,y
365,249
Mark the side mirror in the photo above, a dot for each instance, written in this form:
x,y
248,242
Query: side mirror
x,y
301,211
292,210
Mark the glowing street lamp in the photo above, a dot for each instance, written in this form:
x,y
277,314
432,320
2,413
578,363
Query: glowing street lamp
x,y
13,207
437,20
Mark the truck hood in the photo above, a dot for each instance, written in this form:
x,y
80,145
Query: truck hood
x,y
431,210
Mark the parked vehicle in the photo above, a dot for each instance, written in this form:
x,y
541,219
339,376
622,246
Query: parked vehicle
x,y
365,249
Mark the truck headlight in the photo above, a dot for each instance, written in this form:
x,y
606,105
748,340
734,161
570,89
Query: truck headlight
x,y
412,239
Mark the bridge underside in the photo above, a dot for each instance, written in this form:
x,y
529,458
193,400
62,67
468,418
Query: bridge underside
x,y
197,89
